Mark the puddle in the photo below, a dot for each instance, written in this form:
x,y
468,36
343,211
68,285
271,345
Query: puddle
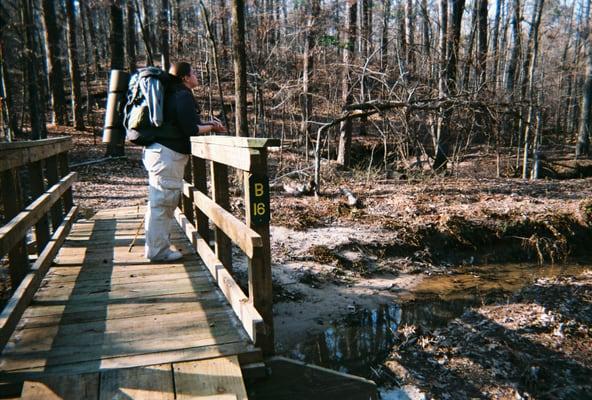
x,y
363,339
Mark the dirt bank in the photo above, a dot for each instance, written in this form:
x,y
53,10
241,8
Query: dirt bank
x,y
537,345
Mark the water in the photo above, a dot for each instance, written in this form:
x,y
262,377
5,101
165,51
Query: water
x,y
363,339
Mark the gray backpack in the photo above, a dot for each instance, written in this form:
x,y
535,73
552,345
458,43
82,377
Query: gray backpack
x,y
143,111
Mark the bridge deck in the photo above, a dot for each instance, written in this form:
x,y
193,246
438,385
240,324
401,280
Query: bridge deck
x,y
101,307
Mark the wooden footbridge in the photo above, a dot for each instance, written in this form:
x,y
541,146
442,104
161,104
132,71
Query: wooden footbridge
x,y
89,318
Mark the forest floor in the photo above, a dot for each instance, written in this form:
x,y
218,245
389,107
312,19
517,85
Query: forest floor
x,y
331,261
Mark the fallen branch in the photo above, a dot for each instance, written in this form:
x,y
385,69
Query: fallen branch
x,y
100,160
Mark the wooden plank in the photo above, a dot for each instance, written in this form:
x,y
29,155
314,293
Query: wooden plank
x,y
17,154
242,158
245,352
103,285
153,382
259,264
17,227
207,306
244,310
37,189
18,255
71,274
220,197
121,291
246,238
100,270
84,386
214,377
90,352
40,308
234,141
22,296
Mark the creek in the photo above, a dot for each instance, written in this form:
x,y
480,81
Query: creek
x,y
363,339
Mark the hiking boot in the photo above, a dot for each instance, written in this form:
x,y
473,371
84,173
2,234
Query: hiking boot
x,y
170,255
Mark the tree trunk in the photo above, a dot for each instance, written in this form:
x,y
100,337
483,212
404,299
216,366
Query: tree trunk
x,y
511,65
59,110
9,128
385,35
451,86
410,18
116,37
131,37
469,49
164,36
38,130
494,42
481,66
214,48
240,67
93,37
585,129
528,72
74,69
425,23
345,130
307,71
440,141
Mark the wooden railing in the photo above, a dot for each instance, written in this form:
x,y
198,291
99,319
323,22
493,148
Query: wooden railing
x,y
40,169
248,155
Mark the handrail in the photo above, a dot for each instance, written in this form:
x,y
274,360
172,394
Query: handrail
x,y
39,169
17,154
197,209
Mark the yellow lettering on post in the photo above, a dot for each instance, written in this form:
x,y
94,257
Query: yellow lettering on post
x,y
258,189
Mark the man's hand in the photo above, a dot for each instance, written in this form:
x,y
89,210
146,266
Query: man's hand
x,y
217,125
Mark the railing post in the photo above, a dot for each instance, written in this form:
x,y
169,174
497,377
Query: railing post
x,y
57,214
257,213
199,182
37,189
187,202
64,169
220,195
11,199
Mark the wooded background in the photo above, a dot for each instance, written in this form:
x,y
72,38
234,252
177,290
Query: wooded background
x,y
428,79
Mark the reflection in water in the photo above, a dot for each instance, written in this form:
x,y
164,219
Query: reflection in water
x,y
364,338
352,345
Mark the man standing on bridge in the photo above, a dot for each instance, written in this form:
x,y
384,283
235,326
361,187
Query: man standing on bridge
x,y
165,161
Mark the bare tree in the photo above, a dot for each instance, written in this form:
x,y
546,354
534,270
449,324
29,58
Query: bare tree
x,y
312,12
131,36
345,130
38,129
585,129
74,68
240,67
59,111
164,35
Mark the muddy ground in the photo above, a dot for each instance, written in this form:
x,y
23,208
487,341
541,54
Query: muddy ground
x,y
331,260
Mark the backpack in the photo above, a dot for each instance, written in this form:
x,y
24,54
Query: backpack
x,y
143,111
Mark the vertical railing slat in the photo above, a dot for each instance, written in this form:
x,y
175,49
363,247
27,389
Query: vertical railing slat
x,y
37,189
220,195
64,169
52,174
200,183
18,256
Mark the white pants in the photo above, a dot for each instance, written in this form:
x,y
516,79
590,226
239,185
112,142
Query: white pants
x,y
165,179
